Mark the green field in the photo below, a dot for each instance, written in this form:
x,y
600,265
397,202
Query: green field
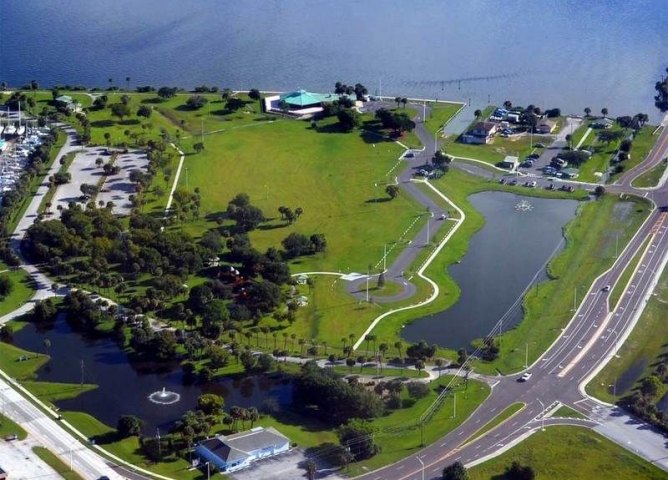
x,y
651,177
11,364
567,412
21,292
9,427
647,344
642,144
440,114
49,392
571,453
56,463
493,153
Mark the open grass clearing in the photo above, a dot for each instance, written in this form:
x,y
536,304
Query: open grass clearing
x,y
440,114
567,412
351,207
401,442
9,427
642,145
494,152
379,374
651,177
12,365
49,392
570,452
22,289
56,463
647,344
501,418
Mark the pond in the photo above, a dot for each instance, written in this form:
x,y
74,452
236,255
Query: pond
x,y
506,256
125,387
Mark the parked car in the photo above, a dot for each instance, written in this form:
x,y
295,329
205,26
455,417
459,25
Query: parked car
x,y
534,156
550,186
502,181
525,377
571,188
539,145
532,184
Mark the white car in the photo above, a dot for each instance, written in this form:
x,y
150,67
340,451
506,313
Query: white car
x,y
606,288
525,377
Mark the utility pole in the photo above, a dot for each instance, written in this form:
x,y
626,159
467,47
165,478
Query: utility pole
x,y
368,274
424,111
454,405
526,355
384,258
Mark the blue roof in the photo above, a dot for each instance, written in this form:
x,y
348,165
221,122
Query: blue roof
x,y
302,98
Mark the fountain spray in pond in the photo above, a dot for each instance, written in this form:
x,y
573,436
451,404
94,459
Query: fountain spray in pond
x,y
164,397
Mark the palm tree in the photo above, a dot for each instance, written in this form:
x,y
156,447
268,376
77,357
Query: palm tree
x,y
604,111
368,339
351,363
361,360
477,113
127,82
569,139
587,111
324,346
301,342
439,364
398,345
248,336
404,101
419,365
285,340
275,335
344,340
111,82
292,337
507,104
397,101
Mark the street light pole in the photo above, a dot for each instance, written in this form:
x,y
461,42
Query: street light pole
x,y
384,257
422,464
368,274
454,405
526,355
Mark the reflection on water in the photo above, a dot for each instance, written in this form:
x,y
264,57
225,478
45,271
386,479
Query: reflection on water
x,y
124,387
502,260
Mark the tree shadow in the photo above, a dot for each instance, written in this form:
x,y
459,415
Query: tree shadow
x,y
130,121
378,200
153,100
102,123
331,128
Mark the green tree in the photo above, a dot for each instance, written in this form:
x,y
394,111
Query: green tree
x,y
587,111
210,403
392,191
357,436
348,120
517,471
455,471
144,111
254,94
120,110
129,426
198,147
350,362
604,112
195,102
477,113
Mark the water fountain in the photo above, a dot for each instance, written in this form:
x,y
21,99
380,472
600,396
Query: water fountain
x,y
163,397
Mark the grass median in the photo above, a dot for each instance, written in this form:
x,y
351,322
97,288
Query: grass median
x,y
64,471
572,453
22,289
651,177
647,344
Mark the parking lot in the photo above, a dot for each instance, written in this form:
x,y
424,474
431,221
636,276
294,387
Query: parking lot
x,y
20,463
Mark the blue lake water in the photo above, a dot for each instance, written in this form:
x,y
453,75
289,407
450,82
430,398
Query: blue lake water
x,y
507,255
566,54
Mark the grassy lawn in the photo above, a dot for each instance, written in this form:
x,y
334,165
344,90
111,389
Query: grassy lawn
x,y
647,343
570,453
49,392
350,208
507,414
21,370
440,114
398,443
129,448
580,132
21,289
56,463
651,177
9,427
642,144
567,412
517,146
